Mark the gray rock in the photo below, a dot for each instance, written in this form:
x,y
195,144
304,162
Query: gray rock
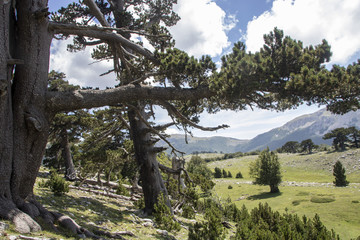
x,y
3,226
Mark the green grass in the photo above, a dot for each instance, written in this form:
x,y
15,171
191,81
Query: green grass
x,y
338,207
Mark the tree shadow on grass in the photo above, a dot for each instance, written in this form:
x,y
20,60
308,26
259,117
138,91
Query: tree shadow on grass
x,y
264,195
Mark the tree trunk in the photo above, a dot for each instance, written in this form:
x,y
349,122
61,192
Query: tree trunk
x,y
70,173
274,189
24,118
145,154
6,127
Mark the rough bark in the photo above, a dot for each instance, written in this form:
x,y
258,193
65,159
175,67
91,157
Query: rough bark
x,y
145,154
69,101
70,173
274,188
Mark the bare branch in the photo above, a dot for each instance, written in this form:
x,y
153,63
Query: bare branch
x,y
173,111
96,12
99,33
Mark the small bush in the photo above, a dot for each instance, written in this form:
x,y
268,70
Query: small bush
x,y
317,199
163,217
140,204
57,184
297,202
239,175
188,211
122,190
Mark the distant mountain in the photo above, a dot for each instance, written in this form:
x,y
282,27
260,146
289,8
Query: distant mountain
x,y
205,144
312,126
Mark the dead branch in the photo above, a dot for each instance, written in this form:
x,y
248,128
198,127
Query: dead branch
x,y
116,235
173,111
173,171
100,33
96,12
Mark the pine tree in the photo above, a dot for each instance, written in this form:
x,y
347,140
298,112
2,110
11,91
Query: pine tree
x,y
340,177
266,170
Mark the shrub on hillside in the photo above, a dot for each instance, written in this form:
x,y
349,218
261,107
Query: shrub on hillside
x,y
163,217
239,175
57,184
339,173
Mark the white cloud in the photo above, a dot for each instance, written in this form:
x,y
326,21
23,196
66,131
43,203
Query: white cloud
x,y
202,28
248,124
78,68
311,21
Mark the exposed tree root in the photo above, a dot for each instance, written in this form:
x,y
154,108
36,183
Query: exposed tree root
x,y
22,221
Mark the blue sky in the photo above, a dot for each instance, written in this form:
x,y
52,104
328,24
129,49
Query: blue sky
x,y
212,26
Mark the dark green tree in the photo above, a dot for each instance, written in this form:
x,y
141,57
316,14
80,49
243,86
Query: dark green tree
x,y
239,175
66,129
218,173
107,149
354,135
224,173
340,138
307,146
290,147
339,174
266,170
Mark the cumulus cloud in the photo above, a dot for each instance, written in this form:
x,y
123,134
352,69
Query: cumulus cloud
x,y
311,21
202,28
79,68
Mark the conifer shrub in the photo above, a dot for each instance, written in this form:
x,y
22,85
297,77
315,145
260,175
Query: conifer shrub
x,y
212,228
339,174
57,184
239,175
163,217
122,190
188,211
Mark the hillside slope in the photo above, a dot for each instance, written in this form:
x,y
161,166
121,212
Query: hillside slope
x,y
312,126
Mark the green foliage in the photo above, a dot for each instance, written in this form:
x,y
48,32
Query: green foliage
x,y
57,184
266,170
290,147
339,174
122,190
218,173
307,145
188,211
340,137
140,204
239,175
263,223
163,217
197,166
212,228
322,199
224,173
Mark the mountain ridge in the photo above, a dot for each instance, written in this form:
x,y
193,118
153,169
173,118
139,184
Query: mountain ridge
x,y
313,126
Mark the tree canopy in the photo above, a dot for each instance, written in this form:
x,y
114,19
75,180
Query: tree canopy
x,y
281,75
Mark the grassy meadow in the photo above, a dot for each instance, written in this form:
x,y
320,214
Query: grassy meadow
x,y
306,189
